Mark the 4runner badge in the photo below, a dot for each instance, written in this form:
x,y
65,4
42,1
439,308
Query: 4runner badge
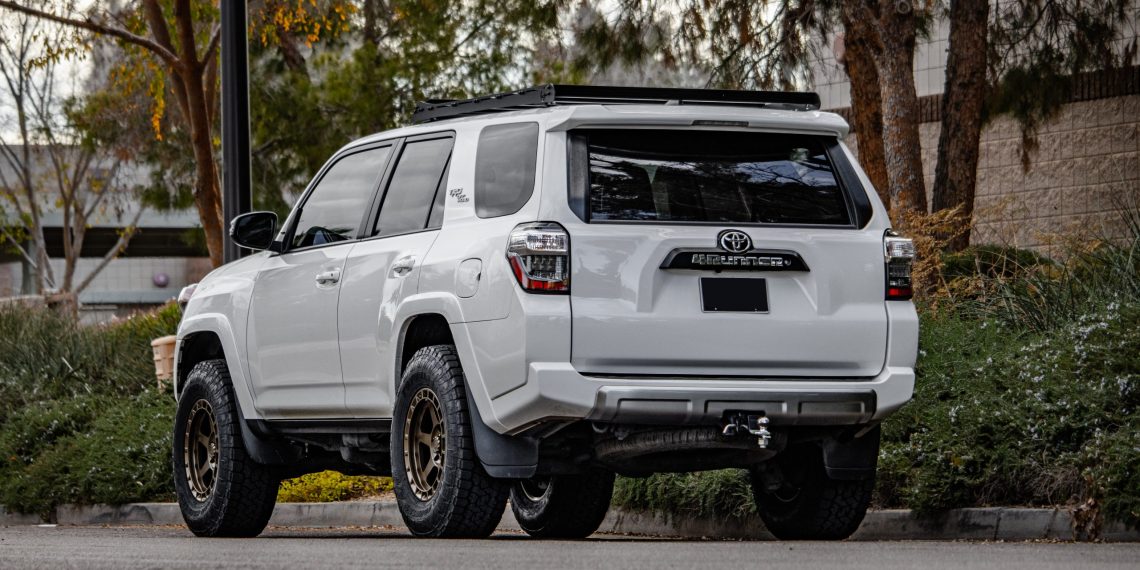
x,y
458,194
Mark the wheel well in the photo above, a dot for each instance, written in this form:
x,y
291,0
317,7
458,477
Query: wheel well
x,y
423,330
196,348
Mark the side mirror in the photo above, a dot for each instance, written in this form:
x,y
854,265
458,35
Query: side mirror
x,y
254,230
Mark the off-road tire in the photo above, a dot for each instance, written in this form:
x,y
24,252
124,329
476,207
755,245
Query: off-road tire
x,y
244,492
468,502
813,506
569,506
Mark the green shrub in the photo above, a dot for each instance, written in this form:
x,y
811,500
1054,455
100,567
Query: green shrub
x,y
721,494
46,356
329,486
1007,417
90,449
81,420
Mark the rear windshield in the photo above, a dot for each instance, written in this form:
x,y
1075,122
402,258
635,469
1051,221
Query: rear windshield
x,y
713,176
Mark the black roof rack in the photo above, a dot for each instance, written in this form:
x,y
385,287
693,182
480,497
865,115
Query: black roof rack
x,y
550,95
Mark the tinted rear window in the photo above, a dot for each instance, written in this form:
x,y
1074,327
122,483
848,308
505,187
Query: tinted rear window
x,y
711,176
504,168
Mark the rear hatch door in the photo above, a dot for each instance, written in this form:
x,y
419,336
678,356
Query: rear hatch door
x,y
673,215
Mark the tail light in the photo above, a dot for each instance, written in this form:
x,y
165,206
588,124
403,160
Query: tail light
x,y
539,254
899,256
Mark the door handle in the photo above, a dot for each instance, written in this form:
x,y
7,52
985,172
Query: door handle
x,y
330,277
403,266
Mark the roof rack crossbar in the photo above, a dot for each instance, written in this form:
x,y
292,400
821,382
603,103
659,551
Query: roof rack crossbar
x,y
550,95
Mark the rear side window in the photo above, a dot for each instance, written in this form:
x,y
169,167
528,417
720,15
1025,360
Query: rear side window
x,y
714,177
412,191
504,168
333,210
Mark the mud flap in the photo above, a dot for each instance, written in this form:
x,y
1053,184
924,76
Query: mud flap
x,y
502,456
854,459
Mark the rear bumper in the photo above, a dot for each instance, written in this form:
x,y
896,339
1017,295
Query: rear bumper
x,y
557,391
687,406
539,383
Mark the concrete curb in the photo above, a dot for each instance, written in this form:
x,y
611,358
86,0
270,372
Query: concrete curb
x,y
997,523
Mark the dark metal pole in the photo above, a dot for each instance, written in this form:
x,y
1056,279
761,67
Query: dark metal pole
x,y
236,186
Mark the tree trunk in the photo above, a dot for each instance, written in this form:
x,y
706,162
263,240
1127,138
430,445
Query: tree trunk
x,y
901,148
892,28
866,106
207,194
962,108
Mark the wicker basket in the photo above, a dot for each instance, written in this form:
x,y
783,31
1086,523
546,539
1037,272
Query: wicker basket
x,y
163,359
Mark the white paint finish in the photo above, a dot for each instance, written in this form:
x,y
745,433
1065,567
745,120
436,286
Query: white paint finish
x,y
293,356
631,317
220,305
557,389
538,329
372,288
467,277
466,236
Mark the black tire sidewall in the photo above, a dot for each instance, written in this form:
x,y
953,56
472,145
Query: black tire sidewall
x,y
573,506
823,509
412,508
245,492
203,516
431,517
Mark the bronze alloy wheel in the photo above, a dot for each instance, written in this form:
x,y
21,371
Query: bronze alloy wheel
x,y
425,444
200,450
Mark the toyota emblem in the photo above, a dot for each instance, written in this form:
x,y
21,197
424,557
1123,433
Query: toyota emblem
x,y
734,241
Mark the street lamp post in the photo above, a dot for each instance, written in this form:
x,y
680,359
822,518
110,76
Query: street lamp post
x,y
236,185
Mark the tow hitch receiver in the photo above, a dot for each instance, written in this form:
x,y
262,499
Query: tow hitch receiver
x,y
753,424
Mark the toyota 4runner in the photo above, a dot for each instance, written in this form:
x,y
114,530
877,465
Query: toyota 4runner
x,y
524,294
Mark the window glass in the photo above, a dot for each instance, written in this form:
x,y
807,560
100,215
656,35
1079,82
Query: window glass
x,y
709,176
435,218
334,209
504,168
412,189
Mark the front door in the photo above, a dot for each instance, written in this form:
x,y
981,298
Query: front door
x,y
292,339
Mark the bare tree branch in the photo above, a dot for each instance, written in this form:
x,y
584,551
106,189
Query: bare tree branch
x,y
19,246
92,25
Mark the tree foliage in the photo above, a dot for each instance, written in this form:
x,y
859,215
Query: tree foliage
x,y
309,100
1038,47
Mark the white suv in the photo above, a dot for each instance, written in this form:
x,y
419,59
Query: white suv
x,y
526,293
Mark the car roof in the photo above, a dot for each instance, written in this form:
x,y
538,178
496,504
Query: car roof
x,y
565,117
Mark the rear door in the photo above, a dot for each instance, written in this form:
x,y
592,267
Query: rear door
x,y
384,268
721,253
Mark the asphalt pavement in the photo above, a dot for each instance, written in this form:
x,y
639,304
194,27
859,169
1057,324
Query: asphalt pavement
x,y
64,547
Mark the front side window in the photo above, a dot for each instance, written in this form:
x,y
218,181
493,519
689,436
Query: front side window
x,y
334,209
412,191
713,177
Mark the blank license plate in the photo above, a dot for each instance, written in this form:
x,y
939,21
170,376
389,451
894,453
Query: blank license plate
x,y
728,295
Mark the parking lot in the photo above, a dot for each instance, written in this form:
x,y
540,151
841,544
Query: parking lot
x,y
174,547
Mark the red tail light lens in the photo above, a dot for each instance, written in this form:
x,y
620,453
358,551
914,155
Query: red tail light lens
x,y
539,254
899,256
